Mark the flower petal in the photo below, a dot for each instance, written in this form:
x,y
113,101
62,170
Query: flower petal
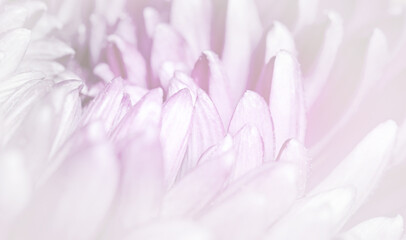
x,y
317,217
176,117
171,230
253,203
209,74
278,38
375,229
169,46
13,45
317,76
206,130
249,149
253,110
243,33
191,18
107,106
140,188
146,113
75,200
370,156
192,192
286,100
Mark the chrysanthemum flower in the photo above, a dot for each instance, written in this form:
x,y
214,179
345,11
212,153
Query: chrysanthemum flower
x,y
202,119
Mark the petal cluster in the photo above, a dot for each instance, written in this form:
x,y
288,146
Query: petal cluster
x,y
202,119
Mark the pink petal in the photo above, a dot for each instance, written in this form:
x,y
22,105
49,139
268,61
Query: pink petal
x,y
210,76
317,76
316,217
249,149
181,81
206,130
294,152
145,114
169,46
108,106
278,38
191,18
126,61
176,117
243,33
253,110
140,189
286,99
194,191
370,156
74,201
254,203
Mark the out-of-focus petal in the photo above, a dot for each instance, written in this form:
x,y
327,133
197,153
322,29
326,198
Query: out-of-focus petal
x,y
370,156
12,48
376,229
169,46
317,75
316,217
278,38
253,110
74,201
171,230
191,18
176,118
254,203
15,186
126,61
243,33
48,49
12,17
140,188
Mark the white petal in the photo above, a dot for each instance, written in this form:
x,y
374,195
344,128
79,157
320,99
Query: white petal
x,y
171,230
317,217
376,229
15,186
13,45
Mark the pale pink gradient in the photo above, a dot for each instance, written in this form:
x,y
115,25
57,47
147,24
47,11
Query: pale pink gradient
x,y
202,119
